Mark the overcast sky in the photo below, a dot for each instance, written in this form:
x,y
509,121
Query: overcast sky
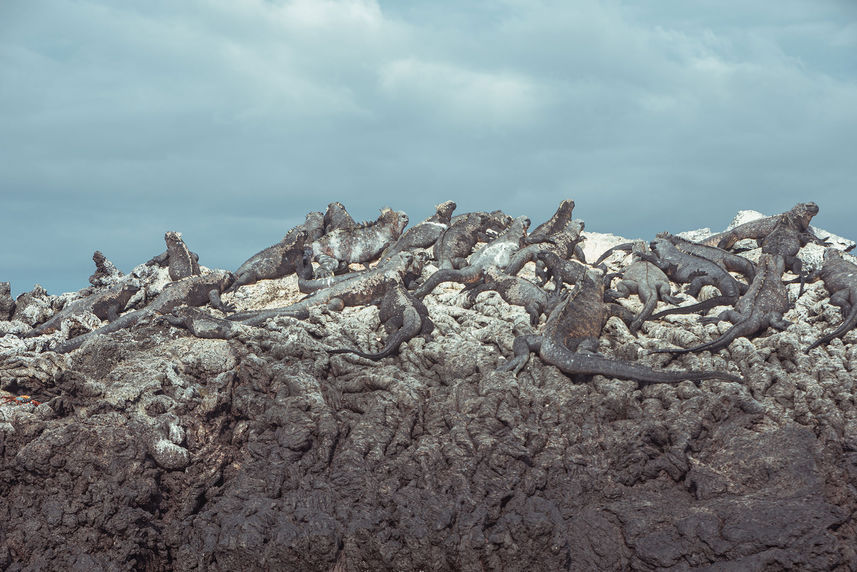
x,y
229,120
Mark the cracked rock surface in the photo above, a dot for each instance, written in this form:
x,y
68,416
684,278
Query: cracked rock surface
x,y
153,449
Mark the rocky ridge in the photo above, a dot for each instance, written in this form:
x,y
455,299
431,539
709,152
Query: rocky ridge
x,y
154,449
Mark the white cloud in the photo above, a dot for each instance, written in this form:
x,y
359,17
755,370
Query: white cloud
x,y
470,97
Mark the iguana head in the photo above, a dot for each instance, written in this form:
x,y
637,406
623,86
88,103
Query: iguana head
x,y
804,212
565,208
396,220
444,210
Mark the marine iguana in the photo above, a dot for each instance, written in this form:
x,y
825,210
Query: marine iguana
x,y
424,234
336,218
363,288
411,265
762,306
200,323
565,244
457,242
840,280
106,304
362,244
786,240
404,317
193,291
7,303
497,253
177,256
105,273
801,214
554,224
275,261
723,258
649,283
697,271
558,268
313,226
570,337
514,290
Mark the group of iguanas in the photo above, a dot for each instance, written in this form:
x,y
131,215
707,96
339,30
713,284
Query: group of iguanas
x,y
577,307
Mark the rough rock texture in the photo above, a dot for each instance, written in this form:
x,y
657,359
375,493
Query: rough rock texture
x,y
152,449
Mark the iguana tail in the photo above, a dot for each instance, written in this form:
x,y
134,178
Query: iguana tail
x,y
124,321
467,275
698,307
736,331
644,314
410,328
627,247
847,324
572,363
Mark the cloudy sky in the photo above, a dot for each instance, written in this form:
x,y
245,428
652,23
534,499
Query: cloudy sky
x,y
228,120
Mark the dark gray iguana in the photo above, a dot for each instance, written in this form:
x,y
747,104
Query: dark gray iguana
x,y
556,223
497,253
337,218
275,261
411,265
649,283
7,303
280,259
364,288
723,258
193,291
786,239
106,274
457,242
570,337
404,317
697,271
424,234
762,306
106,303
840,279
558,268
181,261
363,244
200,323
565,243
514,290
801,214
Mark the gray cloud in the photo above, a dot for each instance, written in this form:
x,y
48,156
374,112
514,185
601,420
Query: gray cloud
x,y
230,120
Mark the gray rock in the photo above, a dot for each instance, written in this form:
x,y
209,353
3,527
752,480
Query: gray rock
x,y
155,449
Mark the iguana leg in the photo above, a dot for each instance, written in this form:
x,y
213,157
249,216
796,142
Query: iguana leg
x,y
623,289
535,313
621,312
665,294
542,273
697,283
173,320
841,298
578,253
776,320
474,291
216,302
327,266
725,316
522,347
